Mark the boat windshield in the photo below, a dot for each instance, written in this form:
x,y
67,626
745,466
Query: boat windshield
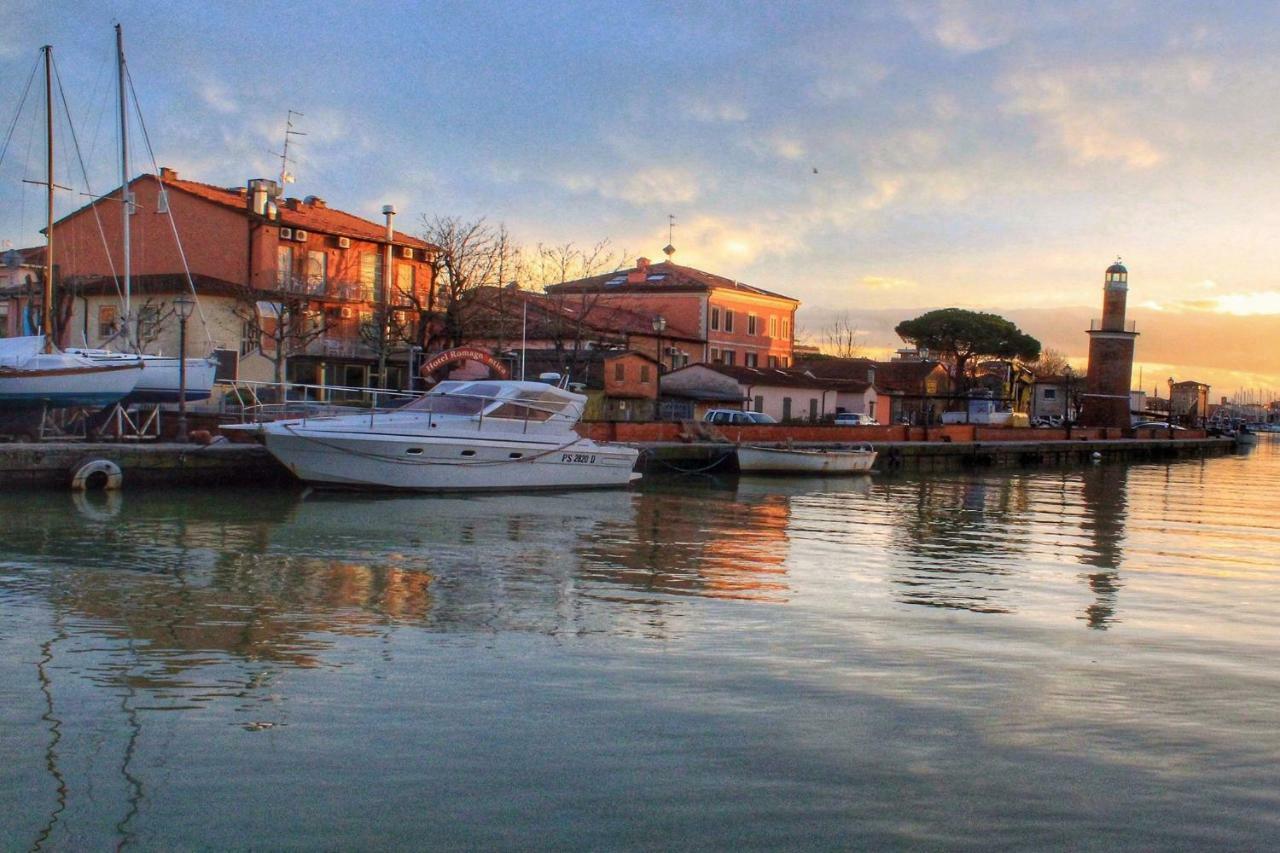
x,y
456,398
533,404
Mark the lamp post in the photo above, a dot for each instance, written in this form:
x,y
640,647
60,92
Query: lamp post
x,y
1169,411
1066,412
659,326
184,306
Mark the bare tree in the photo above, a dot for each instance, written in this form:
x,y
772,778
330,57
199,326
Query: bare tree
x,y
282,322
1050,363
571,313
470,255
842,337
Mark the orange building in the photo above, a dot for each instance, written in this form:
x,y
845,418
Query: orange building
x,y
733,323
234,239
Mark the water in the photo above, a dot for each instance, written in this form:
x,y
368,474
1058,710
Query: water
x,y
1083,658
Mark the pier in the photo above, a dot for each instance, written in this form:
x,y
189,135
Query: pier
x,y
56,465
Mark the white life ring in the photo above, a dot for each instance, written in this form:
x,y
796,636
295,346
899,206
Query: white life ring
x,y
98,474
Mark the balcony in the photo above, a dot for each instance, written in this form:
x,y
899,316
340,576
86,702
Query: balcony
x,y
1095,325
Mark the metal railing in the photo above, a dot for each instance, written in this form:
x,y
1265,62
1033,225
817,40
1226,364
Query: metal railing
x,y
255,402
1096,325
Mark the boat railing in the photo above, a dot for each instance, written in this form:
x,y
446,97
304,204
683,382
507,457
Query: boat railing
x,y
255,402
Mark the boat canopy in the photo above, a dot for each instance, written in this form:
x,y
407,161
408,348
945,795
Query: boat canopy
x,y
524,401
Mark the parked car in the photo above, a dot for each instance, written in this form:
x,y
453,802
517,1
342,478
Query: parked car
x,y
1157,425
735,417
855,419
1047,421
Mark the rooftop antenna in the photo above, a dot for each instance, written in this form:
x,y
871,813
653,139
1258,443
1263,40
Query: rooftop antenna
x,y
286,177
670,248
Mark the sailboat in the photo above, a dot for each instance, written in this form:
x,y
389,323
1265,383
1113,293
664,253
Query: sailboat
x,y
34,374
162,381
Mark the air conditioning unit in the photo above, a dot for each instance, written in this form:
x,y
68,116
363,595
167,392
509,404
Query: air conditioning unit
x,y
347,313
406,252
344,242
300,235
286,233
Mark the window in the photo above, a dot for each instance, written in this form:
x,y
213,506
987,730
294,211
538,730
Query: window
x,y
1050,394
785,360
228,365
371,276
715,319
752,325
250,337
773,327
106,321
751,359
730,357
871,410
773,361
317,268
148,322
759,403
813,408
786,408
284,265
404,284
728,321
644,373
715,355
786,329
619,372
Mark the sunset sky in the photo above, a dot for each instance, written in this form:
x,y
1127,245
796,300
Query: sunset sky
x,y
877,159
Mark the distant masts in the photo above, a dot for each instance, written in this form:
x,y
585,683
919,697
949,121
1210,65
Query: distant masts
x,y
286,177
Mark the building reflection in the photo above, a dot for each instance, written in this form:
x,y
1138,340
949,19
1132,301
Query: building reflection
x,y
957,542
1104,500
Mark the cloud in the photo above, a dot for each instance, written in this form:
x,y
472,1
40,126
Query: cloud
x,y
712,111
646,186
1258,303
967,27
880,282
216,96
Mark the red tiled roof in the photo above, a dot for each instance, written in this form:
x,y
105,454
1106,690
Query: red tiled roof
x,y
891,375
309,217
663,276
598,316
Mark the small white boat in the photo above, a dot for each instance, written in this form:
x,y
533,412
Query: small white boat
x,y
479,435
759,459
33,378
160,381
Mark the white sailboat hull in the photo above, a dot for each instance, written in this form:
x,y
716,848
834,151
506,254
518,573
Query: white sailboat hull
x,y
61,380
160,381
782,460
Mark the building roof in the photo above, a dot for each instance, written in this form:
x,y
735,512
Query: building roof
x,y
310,214
785,377
554,313
662,277
889,375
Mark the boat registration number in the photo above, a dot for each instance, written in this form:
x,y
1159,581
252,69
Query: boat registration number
x,y
578,458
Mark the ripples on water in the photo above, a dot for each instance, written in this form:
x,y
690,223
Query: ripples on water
x,y
1082,656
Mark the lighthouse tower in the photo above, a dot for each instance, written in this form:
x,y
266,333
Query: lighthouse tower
x,y
1111,343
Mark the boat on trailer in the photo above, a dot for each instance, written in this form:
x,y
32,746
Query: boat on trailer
x,y
499,435
783,459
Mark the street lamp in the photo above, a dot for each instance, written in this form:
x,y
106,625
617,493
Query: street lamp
x,y
1169,411
659,326
184,305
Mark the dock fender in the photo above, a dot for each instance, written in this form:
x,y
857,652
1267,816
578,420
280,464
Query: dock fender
x,y
96,474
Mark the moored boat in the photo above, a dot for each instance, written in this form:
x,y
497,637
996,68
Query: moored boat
x,y
160,381
479,435
760,459
34,376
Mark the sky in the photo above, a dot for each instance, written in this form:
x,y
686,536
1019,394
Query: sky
x,y
874,160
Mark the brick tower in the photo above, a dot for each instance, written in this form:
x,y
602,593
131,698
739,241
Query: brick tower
x,y
1111,341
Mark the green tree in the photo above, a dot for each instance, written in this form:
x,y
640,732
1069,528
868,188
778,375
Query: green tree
x,y
957,336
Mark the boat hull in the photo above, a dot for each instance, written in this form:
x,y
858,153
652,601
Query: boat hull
x,y
160,381
440,464
779,460
88,385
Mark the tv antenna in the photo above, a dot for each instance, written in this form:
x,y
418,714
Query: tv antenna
x,y
286,177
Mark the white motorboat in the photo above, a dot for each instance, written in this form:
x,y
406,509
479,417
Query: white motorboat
x,y
160,381
34,376
485,434
760,459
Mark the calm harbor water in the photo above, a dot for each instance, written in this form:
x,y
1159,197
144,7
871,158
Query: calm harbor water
x,y
1085,657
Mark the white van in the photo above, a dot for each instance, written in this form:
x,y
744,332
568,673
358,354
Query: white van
x,y
855,419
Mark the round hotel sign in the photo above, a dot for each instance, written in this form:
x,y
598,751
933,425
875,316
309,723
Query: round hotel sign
x,y
450,356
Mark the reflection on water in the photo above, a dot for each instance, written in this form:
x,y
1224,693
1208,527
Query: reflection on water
x,y
135,626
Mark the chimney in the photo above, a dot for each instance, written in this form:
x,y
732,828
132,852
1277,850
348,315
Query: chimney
x,y
167,174
641,271
316,201
261,192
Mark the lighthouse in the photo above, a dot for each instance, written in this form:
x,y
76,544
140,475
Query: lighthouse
x,y
1111,344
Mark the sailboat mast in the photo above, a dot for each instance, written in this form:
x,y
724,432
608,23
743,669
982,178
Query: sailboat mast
x,y
47,320
125,195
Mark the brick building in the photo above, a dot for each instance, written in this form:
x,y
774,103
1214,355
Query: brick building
x,y
726,321
242,245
